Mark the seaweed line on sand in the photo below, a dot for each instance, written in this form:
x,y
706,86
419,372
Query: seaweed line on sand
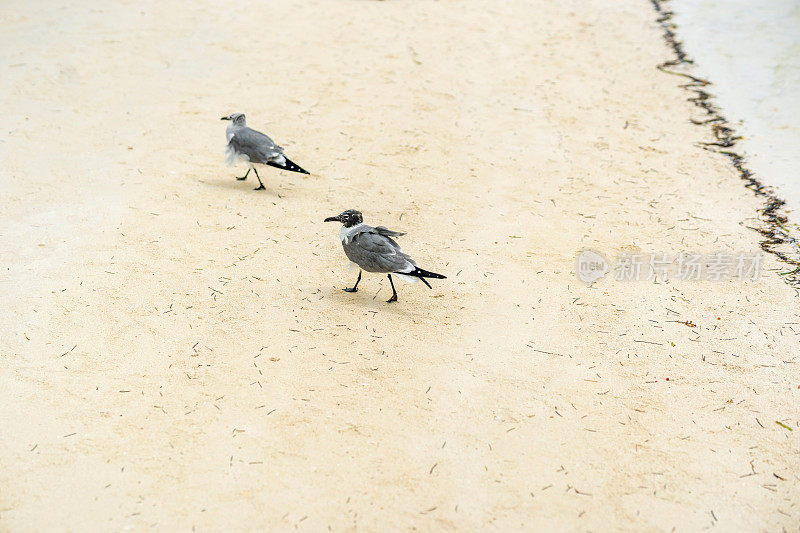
x,y
776,236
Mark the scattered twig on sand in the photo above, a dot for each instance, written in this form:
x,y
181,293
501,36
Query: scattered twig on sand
x,y
544,352
68,351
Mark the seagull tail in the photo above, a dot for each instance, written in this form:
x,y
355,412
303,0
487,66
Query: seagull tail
x,y
422,274
288,165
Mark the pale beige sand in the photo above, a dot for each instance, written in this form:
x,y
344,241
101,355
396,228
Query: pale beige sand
x,y
176,351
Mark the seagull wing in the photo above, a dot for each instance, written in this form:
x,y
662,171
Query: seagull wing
x,y
376,252
258,147
381,230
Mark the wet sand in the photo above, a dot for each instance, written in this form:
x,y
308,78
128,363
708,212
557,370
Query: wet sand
x,y
751,56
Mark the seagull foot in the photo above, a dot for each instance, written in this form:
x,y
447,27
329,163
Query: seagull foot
x,y
242,178
260,188
392,299
350,290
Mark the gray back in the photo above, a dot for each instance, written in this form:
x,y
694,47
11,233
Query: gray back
x,y
258,147
374,250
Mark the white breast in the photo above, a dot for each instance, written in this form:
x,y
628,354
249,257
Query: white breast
x,y
346,234
232,156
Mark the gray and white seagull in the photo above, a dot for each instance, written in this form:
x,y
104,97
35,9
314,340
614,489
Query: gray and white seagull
x,y
374,250
251,146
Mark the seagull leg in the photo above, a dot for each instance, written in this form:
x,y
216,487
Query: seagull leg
x,y
245,176
260,185
394,292
355,287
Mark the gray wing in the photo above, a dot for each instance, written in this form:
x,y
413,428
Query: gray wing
x,y
381,230
375,252
258,147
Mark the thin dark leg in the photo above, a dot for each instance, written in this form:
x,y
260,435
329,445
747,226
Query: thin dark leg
x,y
245,176
260,185
355,287
394,292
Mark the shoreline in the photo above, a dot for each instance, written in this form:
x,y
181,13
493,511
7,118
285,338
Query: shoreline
x,y
775,219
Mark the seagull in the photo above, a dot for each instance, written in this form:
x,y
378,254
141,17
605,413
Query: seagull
x,y
374,250
252,146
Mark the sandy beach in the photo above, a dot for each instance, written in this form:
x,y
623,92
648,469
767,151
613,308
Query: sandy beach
x,y
176,351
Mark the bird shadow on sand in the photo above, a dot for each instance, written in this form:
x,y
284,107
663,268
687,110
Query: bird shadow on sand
x,y
245,185
371,301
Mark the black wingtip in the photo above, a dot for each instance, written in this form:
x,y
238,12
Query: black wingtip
x,y
289,165
422,274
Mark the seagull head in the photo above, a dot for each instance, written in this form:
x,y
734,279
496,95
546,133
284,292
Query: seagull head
x,y
236,118
349,218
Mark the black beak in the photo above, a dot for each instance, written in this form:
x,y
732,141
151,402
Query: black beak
x,y
332,219
225,118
